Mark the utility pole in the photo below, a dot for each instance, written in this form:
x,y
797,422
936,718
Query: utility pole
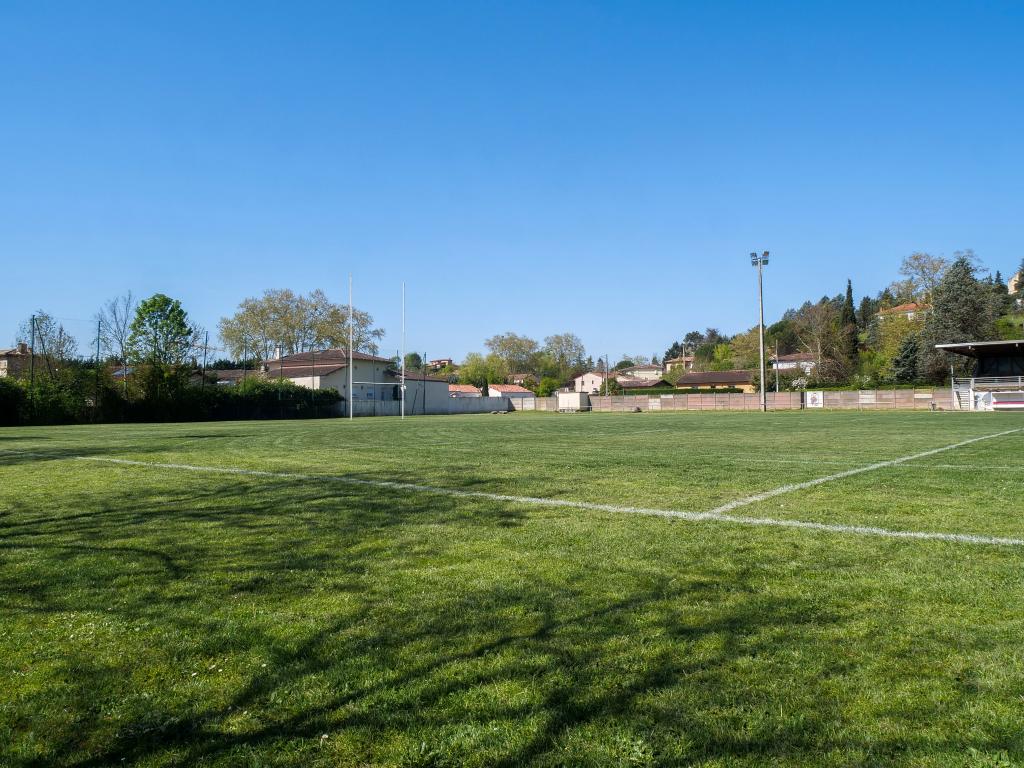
x,y
206,349
402,353
760,262
32,364
351,337
96,406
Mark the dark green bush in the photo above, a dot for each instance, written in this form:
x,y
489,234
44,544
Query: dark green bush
x,y
80,396
13,402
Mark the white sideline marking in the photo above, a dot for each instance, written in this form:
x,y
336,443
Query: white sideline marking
x,y
731,505
713,516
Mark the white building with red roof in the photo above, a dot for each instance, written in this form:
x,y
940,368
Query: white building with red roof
x,y
463,390
508,390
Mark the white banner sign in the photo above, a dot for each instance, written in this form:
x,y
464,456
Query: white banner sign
x,y
814,399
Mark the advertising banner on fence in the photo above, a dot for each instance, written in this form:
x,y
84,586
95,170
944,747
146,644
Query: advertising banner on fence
x,y
814,399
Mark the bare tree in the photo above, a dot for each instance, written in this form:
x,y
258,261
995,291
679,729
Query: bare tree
x,y
52,340
817,327
115,320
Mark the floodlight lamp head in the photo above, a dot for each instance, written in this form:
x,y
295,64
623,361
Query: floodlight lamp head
x,y
764,257
753,258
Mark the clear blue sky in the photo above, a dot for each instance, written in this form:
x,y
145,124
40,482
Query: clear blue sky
x,y
599,167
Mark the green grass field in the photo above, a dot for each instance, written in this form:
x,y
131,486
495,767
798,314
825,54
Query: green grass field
x,y
165,616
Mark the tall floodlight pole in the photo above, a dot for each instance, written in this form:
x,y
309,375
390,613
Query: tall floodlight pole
x,y
402,361
760,262
32,366
351,337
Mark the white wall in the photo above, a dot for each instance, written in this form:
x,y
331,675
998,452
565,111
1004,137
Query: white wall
x,y
452,405
651,375
588,382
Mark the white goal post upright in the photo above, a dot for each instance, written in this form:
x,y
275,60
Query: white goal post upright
x,y
351,336
402,361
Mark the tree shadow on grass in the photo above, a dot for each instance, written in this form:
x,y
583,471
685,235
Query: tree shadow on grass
x,y
409,628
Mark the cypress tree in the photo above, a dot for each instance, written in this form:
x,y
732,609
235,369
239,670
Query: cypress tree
x,y
848,325
866,313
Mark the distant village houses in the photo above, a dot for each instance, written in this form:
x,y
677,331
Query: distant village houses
x,y
647,372
742,380
802,361
590,382
909,311
16,361
684,361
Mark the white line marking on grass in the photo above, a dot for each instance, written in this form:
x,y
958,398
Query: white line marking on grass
x,y
696,517
735,504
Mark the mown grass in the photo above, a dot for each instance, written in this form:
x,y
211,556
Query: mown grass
x,y
158,617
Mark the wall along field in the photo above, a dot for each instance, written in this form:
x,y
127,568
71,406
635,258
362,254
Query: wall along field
x,y
161,613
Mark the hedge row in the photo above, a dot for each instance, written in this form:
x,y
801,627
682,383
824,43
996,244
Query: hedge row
x,y
77,400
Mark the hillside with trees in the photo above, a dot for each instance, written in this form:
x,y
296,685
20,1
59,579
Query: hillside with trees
x,y
886,339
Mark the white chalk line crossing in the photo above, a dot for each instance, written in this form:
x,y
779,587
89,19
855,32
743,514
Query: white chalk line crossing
x,y
755,498
718,514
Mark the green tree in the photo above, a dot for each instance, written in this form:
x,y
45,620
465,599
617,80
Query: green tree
x,y
280,318
161,333
481,371
513,349
548,386
745,350
963,309
567,354
905,364
923,273
721,358
413,361
866,313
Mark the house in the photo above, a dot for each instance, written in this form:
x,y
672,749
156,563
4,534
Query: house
x,y
521,378
373,378
1016,283
437,365
508,390
463,390
16,361
223,377
591,382
742,380
635,383
802,361
649,372
908,311
121,372
684,361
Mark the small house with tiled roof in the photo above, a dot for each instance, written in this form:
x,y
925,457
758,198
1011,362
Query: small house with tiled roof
x,y
910,311
508,390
